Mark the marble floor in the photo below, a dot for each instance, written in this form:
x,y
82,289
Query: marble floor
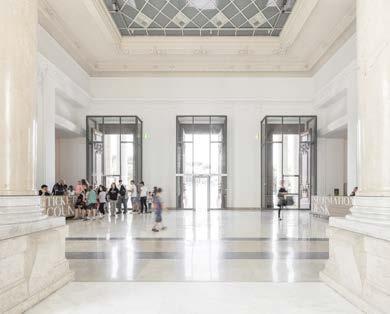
x,y
240,250
200,246
194,298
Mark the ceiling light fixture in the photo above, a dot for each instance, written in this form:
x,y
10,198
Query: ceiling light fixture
x,y
287,5
271,3
202,4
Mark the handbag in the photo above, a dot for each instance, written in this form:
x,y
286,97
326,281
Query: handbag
x,y
289,201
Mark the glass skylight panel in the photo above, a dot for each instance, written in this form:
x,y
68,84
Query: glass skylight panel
x,y
200,17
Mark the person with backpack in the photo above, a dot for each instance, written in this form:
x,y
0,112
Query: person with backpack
x,y
123,197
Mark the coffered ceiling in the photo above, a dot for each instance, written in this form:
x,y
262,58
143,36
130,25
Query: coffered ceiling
x,y
200,17
109,40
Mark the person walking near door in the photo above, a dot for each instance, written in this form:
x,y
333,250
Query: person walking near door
x,y
143,194
112,197
282,202
134,196
123,197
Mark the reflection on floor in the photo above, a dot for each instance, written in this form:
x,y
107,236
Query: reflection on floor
x,y
194,298
125,259
214,246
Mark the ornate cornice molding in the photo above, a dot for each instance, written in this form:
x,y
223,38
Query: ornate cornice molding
x,y
99,11
133,55
54,25
296,21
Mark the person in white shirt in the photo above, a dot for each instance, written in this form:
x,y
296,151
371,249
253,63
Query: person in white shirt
x,y
143,193
134,196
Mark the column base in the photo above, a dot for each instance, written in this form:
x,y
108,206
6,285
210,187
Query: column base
x,y
32,265
371,209
359,264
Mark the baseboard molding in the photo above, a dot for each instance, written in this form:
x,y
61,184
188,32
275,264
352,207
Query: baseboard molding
x,y
349,296
41,295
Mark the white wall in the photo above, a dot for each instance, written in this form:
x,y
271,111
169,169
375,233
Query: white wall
x,y
335,101
159,150
68,94
51,50
71,159
331,165
61,101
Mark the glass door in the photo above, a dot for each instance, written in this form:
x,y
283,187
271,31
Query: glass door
x,y
201,162
114,149
288,158
201,193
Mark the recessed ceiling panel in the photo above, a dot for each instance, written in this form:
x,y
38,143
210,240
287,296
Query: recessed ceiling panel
x,y
200,17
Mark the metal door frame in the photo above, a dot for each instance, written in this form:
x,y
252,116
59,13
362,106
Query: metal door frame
x,y
193,175
313,163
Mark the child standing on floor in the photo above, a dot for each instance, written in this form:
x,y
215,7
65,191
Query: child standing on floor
x,y
150,202
91,203
102,200
158,207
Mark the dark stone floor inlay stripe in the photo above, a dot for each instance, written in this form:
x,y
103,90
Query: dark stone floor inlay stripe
x,y
222,255
183,239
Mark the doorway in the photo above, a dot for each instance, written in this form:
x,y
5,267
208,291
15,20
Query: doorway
x,y
114,149
201,193
288,155
201,168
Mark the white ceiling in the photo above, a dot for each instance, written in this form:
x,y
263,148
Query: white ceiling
x,y
87,31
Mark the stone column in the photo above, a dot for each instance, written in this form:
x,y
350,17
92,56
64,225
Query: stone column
x,y
352,133
18,129
359,244
32,246
373,41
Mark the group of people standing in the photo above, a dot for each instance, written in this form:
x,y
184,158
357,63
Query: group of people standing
x,y
92,201
60,188
115,199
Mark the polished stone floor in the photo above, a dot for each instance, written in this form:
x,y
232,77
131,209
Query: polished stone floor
x,y
194,298
234,261
200,246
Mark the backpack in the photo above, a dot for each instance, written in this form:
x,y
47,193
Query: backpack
x,y
122,191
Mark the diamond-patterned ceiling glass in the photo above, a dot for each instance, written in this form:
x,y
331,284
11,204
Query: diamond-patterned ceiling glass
x,y
200,17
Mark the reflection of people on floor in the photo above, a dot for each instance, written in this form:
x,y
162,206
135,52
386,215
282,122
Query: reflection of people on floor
x,y
353,193
281,198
